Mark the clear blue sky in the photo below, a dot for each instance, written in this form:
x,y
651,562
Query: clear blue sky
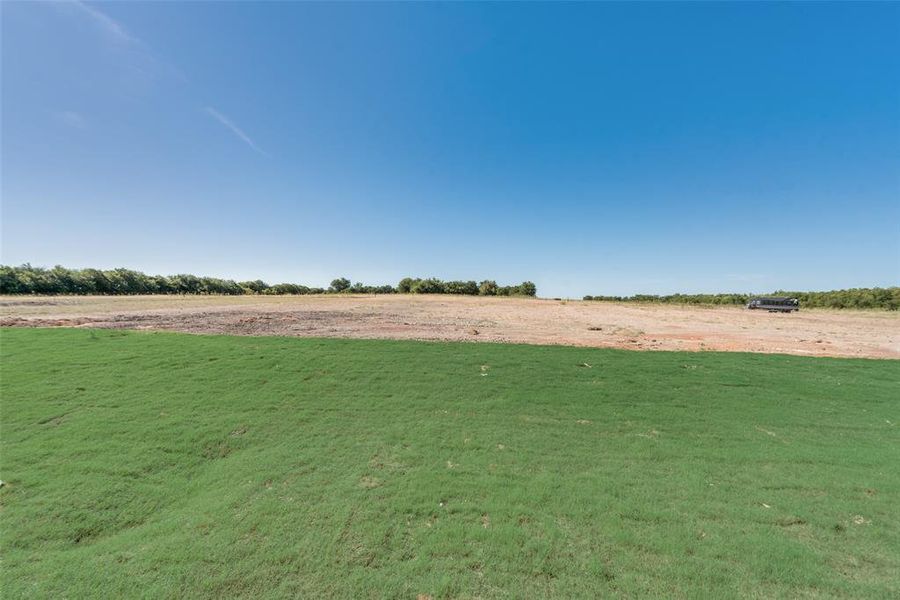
x,y
591,148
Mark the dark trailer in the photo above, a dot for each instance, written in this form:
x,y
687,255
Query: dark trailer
x,y
774,304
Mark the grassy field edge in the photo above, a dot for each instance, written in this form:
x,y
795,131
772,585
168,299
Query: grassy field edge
x,y
166,464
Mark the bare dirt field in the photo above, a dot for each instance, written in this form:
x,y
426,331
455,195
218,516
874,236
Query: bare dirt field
x,y
873,334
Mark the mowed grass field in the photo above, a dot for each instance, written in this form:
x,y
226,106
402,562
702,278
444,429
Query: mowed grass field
x,y
166,465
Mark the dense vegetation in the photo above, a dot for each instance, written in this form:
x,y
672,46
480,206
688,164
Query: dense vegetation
x,y
468,288
879,298
186,466
27,279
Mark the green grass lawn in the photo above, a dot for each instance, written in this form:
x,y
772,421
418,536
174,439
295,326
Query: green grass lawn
x,y
169,465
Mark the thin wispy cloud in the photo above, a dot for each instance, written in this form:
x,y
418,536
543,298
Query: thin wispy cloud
x,y
143,60
71,118
234,128
105,22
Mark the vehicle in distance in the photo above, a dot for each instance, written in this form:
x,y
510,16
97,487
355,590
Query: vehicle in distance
x,y
774,304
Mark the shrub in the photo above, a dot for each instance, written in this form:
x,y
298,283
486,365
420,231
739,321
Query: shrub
x,y
254,287
406,284
527,288
281,289
26,279
487,288
340,284
428,286
469,288
870,298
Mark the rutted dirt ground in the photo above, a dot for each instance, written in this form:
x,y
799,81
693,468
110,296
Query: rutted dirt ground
x,y
872,334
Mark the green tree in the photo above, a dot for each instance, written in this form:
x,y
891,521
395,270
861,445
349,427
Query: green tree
x,y
487,287
431,285
527,288
339,285
257,286
406,284
469,288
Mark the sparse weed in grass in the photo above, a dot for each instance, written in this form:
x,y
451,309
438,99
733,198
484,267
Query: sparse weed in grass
x,y
168,465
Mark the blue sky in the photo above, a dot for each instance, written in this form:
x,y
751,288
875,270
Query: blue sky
x,y
591,148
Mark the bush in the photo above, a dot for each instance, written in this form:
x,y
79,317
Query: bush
x,y
406,284
341,284
871,298
26,279
428,286
487,288
468,288
527,288
254,287
10,282
282,289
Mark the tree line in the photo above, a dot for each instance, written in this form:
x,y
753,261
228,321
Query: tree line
x,y
878,298
26,279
